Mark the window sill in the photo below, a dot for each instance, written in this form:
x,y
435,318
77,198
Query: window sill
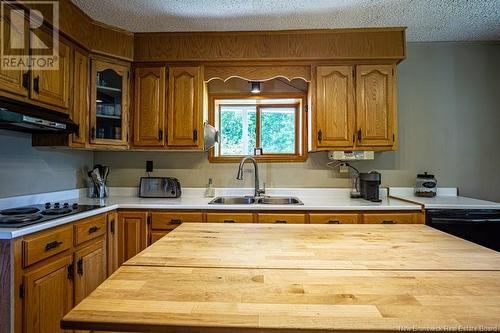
x,y
260,158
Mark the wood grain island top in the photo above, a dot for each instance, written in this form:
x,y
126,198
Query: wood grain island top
x,y
206,297
404,247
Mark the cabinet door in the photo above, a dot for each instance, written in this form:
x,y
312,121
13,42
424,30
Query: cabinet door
x,y
149,107
52,86
334,106
48,297
90,268
14,81
112,242
109,104
80,110
375,105
132,234
185,107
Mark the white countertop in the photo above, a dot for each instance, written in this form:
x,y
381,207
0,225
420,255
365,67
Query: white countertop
x,y
126,198
446,198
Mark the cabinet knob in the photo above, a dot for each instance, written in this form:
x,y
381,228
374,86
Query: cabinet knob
x,y
320,135
160,134
388,222
360,135
280,221
195,135
333,222
36,84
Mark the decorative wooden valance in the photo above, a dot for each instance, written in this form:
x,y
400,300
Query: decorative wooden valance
x,y
257,73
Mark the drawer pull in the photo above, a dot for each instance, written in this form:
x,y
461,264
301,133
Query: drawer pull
x,y
52,245
280,221
388,222
229,221
93,229
175,221
333,222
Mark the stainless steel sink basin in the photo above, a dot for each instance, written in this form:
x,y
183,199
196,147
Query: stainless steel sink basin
x,y
233,201
280,201
250,200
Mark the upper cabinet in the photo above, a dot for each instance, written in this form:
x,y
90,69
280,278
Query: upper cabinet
x,y
149,107
375,106
109,98
185,115
80,109
360,116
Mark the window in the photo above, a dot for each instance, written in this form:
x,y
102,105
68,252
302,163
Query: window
x,y
274,126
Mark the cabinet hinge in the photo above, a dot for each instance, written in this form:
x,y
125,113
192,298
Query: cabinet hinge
x,y
70,272
393,138
148,219
79,266
128,74
21,290
112,226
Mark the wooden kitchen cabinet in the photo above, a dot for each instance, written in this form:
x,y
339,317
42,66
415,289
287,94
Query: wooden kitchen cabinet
x,y
230,217
375,105
170,220
112,242
333,218
149,107
90,268
80,109
291,218
392,218
109,101
52,86
48,296
184,112
45,244
156,235
132,234
335,109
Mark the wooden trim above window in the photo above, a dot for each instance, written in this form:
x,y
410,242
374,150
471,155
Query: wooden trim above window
x,y
300,138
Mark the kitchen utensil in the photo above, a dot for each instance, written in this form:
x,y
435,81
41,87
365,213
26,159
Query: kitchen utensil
x,y
369,185
159,187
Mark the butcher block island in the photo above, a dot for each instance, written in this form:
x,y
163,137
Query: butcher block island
x,y
299,278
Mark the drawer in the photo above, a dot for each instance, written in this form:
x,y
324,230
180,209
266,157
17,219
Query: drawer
x,y
90,228
46,244
156,235
324,218
167,220
230,217
282,218
389,218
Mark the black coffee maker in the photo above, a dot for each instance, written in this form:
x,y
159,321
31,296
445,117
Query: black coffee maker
x,y
369,183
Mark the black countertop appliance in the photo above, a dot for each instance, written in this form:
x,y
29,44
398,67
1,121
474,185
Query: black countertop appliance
x,y
369,185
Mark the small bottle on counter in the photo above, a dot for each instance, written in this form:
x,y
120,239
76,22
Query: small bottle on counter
x,y
210,191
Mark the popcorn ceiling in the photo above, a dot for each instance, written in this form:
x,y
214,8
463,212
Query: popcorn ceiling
x,y
427,20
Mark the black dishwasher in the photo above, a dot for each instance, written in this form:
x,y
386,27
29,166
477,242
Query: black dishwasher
x,y
481,226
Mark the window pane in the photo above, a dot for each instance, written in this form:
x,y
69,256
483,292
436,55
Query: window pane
x,y
237,129
278,130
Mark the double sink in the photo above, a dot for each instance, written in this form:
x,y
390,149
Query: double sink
x,y
248,200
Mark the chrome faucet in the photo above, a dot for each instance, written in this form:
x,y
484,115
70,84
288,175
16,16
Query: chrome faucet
x,y
258,192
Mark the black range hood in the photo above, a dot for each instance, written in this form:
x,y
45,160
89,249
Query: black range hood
x,y
24,117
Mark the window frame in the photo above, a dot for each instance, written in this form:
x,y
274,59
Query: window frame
x,y
300,154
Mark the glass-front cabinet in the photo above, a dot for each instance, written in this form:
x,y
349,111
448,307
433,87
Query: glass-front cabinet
x,y
109,104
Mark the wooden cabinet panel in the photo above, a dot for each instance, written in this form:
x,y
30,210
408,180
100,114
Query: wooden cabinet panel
x,y
80,110
52,86
132,234
149,107
185,107
109,103
230,217
112,242
90,268
156,235
46,244
48,297
13,34
390,218
281,218
334,218
169,220
90,228
375,105
334,106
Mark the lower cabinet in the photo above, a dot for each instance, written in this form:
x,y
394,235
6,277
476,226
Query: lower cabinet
x,y
393,218
156,235
48,296
90,268
132,234
281,218
326,218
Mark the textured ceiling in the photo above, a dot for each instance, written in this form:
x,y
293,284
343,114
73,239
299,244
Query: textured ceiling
x,y
427,20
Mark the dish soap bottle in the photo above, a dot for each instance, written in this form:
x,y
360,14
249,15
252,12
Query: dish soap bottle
x,y
210,191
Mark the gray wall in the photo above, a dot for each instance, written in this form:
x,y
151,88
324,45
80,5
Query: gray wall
x,y
449,119
27,170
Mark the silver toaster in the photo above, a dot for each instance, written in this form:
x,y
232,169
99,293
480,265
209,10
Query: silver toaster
x,y
159,187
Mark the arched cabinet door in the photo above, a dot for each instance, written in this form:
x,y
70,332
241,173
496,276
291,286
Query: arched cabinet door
x,y
334,107
375,106
184,112
109,103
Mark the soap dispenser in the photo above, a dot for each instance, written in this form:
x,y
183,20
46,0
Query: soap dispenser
x,y
210,191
